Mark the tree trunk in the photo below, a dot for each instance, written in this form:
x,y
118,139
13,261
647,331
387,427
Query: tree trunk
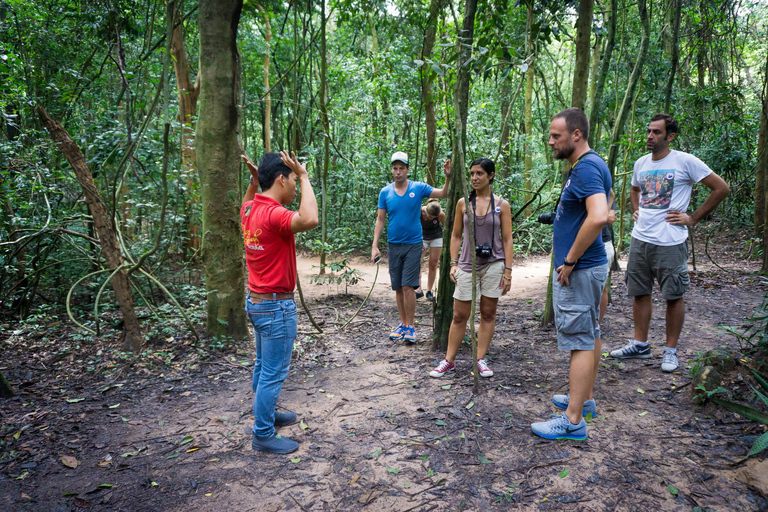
x,y
444,311
104,229
267,95
594,111
581,66
530,54
618,128
326,140
427,76
218,157
675,43
188,92
761,176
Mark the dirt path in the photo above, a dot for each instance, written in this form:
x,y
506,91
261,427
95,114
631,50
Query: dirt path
x,y
378,434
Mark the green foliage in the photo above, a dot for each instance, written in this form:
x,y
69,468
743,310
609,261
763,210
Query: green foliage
x,y
340,272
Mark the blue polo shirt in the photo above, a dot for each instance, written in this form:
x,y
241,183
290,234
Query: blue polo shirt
x,y
588,177
404,212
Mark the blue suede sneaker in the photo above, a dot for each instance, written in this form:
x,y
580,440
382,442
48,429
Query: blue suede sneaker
x,y
560,427
283,419
274,444
397,333
590,408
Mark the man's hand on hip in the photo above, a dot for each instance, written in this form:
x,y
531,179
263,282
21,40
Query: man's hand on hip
x,y
564,274
678,218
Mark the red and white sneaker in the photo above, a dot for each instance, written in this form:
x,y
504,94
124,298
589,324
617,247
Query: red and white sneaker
x,y
443,367
483,367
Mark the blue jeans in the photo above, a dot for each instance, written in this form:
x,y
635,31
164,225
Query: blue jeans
x,y
274,327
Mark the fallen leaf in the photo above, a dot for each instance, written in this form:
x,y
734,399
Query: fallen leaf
x,y
154,484
672,490
643,413
483,459
354,479
69,461
74,400
393,470
470,405
303,425
563,473
185,440
376,453
447,386
193,449
640,390
114,406
440,423
296,460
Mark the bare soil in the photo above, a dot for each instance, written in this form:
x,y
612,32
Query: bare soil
x,y
167,431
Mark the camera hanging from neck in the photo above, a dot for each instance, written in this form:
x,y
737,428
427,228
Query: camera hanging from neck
x,y
485,250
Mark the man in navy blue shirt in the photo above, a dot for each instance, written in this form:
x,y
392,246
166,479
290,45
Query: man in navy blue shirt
x,y
580,270
400,202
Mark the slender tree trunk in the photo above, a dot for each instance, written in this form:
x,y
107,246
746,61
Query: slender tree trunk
x,y
444,311
581,66
326,139
268,96
594,111
104,229
595,67
218,157
6,391
618,128
675,43
427,76
761,175
188,92
530,52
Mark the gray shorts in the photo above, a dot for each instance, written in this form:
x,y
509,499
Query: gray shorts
x,y
610,251
577,307
404,265
668,264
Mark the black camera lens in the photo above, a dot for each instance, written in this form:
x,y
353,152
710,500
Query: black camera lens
x,y
547,218
483,251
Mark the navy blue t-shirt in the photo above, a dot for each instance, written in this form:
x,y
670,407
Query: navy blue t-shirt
x,y
590,176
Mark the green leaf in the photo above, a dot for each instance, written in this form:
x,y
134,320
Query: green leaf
x,y
74,400
760,380
172,456
393,470
563,473
760,444
742,410
761,396
672,490
185,440
296,460
470,405
114,406
69,494
376,453
640,390
430,472
106,486
440,423
483,459
303,425
447,386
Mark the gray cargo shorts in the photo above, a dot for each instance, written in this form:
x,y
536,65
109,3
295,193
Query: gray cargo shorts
x,y
668,264
577,308
404,265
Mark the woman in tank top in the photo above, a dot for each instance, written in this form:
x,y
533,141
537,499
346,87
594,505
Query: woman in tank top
x,y
432,219
491,218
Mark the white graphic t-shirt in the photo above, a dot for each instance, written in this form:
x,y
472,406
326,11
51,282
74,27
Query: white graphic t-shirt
x,y
665,185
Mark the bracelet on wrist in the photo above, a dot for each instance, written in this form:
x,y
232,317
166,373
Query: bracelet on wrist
x,y
568,263
454,262
507,268
505,277
250,180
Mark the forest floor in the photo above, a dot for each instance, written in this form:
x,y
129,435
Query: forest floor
x,y
92,428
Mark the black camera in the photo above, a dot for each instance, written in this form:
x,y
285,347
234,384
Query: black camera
x,y
483,251
547,218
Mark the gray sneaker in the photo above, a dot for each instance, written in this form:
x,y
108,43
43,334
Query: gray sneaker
x,y
669,362
589,406
631,350
559,427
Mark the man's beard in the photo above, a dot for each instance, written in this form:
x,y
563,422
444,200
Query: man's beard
x,y
562,154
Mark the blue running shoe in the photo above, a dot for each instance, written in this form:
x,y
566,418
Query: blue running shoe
x,y
560,427
589,406
409,334
397,333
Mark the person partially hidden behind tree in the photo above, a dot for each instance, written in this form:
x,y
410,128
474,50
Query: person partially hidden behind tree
x,y
270,255
661,191
400,202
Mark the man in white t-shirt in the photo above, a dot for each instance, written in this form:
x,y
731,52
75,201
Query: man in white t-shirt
x,y
660,194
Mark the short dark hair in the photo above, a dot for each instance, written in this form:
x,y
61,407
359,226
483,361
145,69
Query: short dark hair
x,y
575,119
270,167
670,124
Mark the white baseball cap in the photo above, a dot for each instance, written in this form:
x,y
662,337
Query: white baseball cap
x,y
399,156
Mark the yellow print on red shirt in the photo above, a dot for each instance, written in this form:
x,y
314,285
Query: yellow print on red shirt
x,y
252,239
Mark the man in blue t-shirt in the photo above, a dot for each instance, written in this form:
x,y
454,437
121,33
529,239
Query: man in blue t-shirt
x,y
400,203
580,270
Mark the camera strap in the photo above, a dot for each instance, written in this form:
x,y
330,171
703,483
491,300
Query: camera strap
x,y
493,218
557,203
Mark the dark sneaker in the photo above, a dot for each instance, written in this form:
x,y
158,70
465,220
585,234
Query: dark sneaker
x,y
430,297
419,294
409,334
589,406
560,427
631,350
397,333
283,419
669,362
484,370
441,369
274,444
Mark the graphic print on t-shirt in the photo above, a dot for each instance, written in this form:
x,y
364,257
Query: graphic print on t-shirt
x,y
656,188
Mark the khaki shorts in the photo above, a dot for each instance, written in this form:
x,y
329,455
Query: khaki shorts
x,y
488,279
667,264
437,242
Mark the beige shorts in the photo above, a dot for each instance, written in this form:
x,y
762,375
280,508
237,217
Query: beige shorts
x,y
488,280
428,244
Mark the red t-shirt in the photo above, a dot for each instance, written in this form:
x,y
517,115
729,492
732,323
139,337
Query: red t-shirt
x,y
270,247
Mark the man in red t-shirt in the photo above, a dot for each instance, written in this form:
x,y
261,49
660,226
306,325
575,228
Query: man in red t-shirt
x,y
270,255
